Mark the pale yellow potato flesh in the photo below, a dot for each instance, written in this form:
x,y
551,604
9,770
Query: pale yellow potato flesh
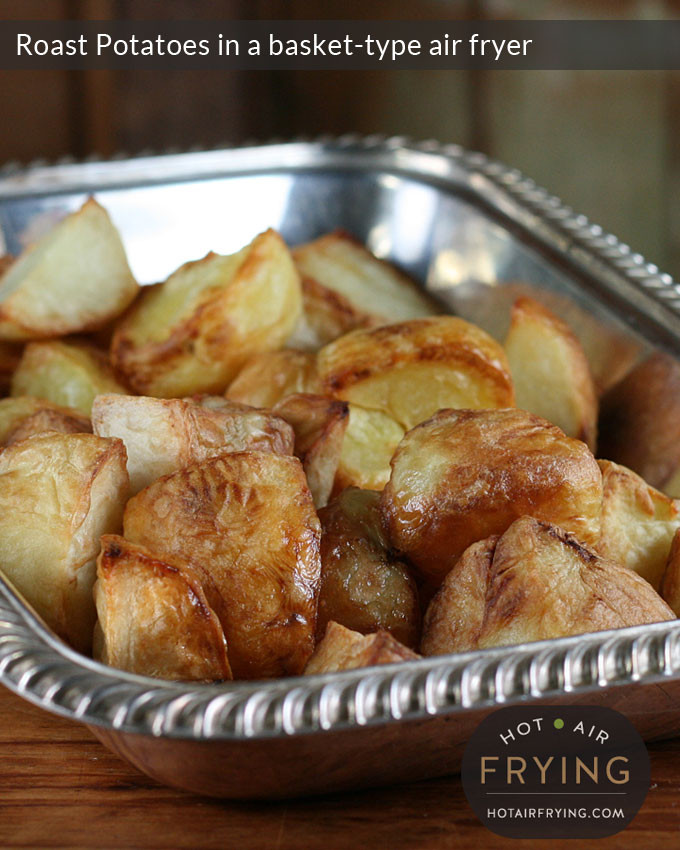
x,y
154,616
550,371
370,441
410,370
194,332
67,374
58,494
638,523
76,278
269,377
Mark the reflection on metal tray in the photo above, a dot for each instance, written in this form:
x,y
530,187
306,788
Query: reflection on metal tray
x,y
476,234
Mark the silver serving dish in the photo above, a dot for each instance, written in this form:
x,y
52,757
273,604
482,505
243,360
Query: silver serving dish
x,y
477,234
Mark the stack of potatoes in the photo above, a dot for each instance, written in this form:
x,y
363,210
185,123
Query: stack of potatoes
x,y
288,461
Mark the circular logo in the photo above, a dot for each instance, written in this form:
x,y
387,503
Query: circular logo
x,y
556,772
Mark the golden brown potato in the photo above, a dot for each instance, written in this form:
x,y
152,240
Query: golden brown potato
x,y
670,585
319,424
248,520
48,419
75,278
269,377
370,441
58,494
10,355
410,370
550,371
638,523
154,617
64,373
26,414
194,332
164,435
467,474
362,586
640,422
346,287
343,649
535,582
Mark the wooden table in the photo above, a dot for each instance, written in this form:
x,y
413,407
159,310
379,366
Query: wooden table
x,y
60,788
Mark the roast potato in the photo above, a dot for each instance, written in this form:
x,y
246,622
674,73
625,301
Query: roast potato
x,y
345,287
362,586
410,370
370,441
319,424
164,435
24,416
640,422
269,377
670,585
638,523
58,494
344,649
154,617
535,582
550,371
75,278
194,332
467,474
248,520
65,373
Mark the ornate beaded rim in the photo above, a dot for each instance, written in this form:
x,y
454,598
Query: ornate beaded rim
x,y
45,671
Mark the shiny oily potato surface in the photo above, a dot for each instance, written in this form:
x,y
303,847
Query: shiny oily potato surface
x,y
467,474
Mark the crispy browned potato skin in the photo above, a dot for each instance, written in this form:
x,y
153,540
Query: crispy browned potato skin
x,y
269,377
409,370
154,618
25,416
319,424
640,422
164,435
467,474
58,494
550,371
343,649
362,586
535,582
638,523
205,348
248,520
670,584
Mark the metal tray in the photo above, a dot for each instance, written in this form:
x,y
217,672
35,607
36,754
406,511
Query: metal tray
x,y
477,234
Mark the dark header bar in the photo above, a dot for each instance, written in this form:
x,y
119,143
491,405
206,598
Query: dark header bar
x,y
340,45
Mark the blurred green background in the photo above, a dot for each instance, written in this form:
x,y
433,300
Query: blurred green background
x,y
606,142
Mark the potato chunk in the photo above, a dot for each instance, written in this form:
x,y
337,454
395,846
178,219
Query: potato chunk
x,y
670,585
67,374
343,649
154,617
58,494
76,278
194,332
370,441
164,435
467,474
535,582
638,523
319,424
346,287
362,586
24,416
269,377
248,520
640,422
550,371
410,370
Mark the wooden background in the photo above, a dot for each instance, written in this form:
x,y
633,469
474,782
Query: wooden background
x,y
606,142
